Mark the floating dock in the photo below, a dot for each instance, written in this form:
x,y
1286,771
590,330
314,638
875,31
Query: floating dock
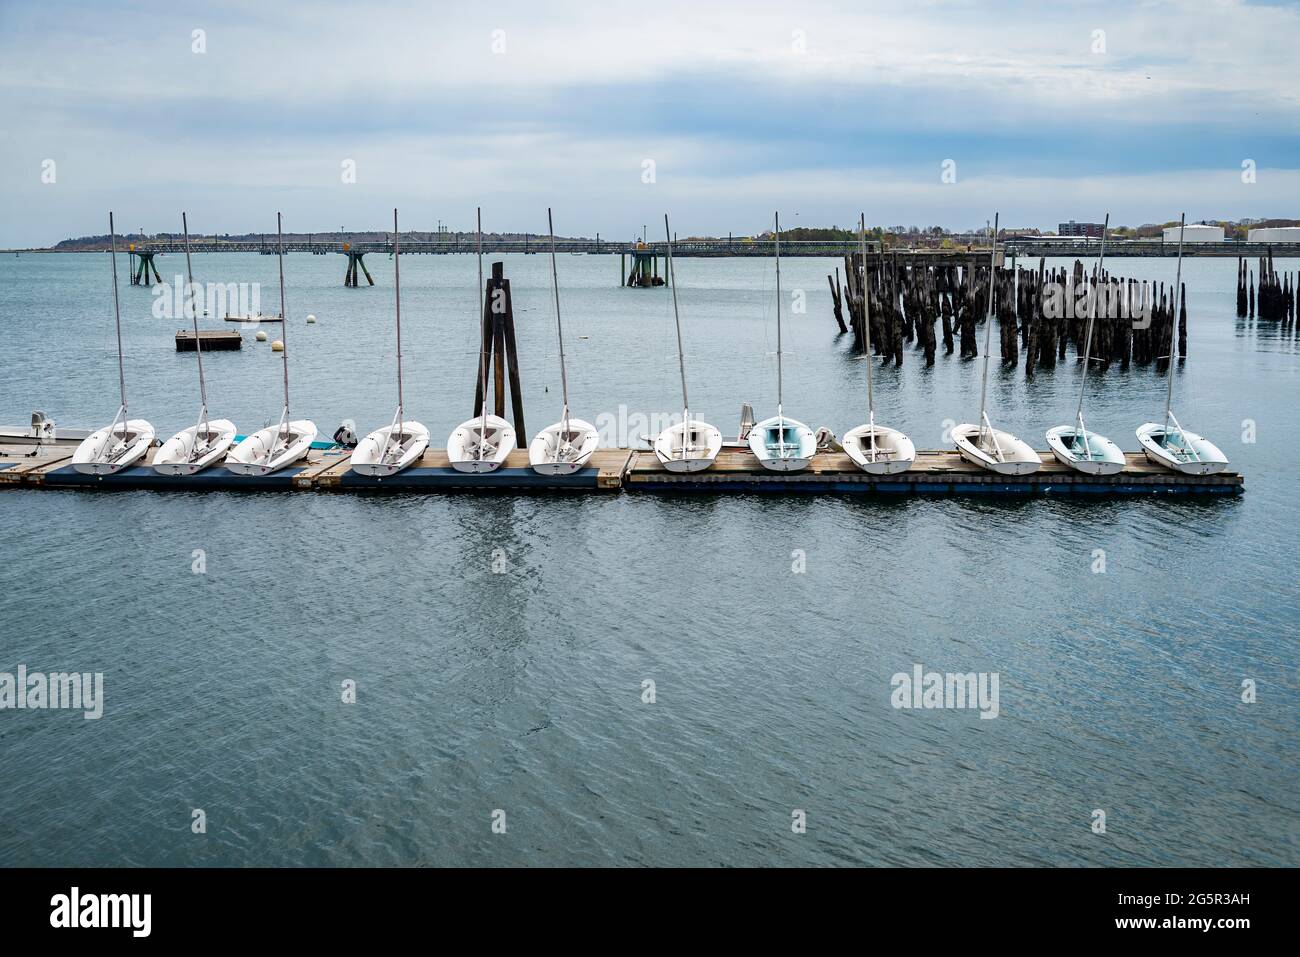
x,y
211,339
937,473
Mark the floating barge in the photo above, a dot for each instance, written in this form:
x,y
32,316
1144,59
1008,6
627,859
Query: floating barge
x,y
211,339
936,473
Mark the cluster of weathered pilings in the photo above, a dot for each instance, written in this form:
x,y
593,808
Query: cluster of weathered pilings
x,y
1273,299
1041,314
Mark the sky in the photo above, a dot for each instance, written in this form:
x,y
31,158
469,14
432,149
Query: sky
x,y
614,113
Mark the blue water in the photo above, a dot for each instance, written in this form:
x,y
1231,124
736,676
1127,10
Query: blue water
x,y
522,691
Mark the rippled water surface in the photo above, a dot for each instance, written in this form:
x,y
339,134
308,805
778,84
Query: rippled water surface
x,y
523,691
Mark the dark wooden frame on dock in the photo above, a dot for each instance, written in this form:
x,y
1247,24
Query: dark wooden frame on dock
x,y
499,351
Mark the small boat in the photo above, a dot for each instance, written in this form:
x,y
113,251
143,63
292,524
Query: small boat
x,y
874,448
981,444
1075,445
124,441
781,444
690,445
566,446
388,450
482,443
1167,443
204,443
277,446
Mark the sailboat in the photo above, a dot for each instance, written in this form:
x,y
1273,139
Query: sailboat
x,y
565,447
482,443
388,450
270,449
204,443
689,445
779,443
875,448
1074,445
124,441
1167,443
981,444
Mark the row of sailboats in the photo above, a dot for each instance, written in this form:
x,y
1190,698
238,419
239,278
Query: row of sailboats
x,y
482,443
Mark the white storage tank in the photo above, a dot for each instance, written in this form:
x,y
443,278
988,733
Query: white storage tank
x,y
1274,234
1196,233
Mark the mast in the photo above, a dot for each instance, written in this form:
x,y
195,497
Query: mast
x,y
482,312
866,316
559,327
1173,340
1092,316
194,314
988,324
777,220
117,319
681,350
397,285
284,317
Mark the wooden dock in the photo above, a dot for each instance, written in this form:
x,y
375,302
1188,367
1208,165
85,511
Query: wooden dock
x,y
211,339
937,473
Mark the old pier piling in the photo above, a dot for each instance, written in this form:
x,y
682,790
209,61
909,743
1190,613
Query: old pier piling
x,y
140,270
498,350
356,260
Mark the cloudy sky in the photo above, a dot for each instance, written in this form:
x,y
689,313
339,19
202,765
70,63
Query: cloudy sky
x,y
1049,111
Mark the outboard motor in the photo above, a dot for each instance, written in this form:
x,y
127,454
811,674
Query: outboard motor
x,y
42,428
346,434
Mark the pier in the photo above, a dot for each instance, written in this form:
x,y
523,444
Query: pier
x,y
939,473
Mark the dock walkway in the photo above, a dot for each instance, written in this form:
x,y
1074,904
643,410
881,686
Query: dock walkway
x,y
941,473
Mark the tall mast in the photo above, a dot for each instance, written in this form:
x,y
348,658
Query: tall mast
x,y
284,316
866,311
777,220
988,321
559,326
681,350
1173,339
482,312
397,286
1092,315
117,319
194,314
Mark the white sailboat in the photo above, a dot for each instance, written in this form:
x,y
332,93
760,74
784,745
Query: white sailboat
x,y
1167,443
1075,445
690,445
482,443
388,450
124,441
781,444
204,443
270,449
981,444
565,447
875,448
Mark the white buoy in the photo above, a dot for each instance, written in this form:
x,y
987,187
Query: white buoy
x,y
277,346
261,336
311,319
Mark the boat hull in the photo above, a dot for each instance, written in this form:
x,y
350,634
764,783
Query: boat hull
x,y
1068,448
894,451
677,455
544,451
791,453
250,457
368,457
1206,460
104,451
463,444
176,457
1018,457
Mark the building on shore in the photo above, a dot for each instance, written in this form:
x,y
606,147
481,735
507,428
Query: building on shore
x,y
1274,234
1195,233
1086,230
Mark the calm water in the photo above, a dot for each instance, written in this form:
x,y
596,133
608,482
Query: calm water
x,y
522,691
